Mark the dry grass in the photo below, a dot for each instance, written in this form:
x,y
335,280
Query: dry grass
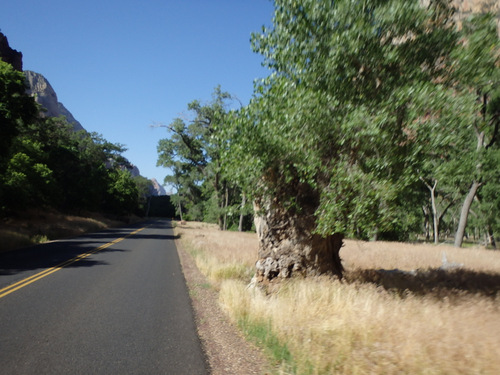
x,y
357,327
33,227
219,255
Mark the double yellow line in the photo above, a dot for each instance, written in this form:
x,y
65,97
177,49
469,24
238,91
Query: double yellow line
x,y
21,284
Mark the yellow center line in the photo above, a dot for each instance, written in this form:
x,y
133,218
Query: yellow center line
x,y
21,284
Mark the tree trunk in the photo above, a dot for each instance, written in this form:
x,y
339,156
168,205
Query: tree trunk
x,y
242,214
287,246
180,209
226,204
220,202
464,213
435,216
426,223
491,238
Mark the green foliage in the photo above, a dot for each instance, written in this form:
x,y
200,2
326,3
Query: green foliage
x,y
44,163
122,193
193,154
332,130
366,102
16,108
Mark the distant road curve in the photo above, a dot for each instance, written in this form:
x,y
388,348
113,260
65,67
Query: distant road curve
x,y
112,302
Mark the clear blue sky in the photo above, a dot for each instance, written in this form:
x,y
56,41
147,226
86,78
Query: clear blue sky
x,y
121,66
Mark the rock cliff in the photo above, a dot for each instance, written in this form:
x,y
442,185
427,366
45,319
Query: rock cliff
x,y
156,189
45,95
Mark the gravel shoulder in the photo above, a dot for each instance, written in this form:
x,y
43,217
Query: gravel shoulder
x,y
227,351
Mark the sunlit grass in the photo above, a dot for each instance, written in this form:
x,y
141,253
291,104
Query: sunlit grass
x,y
322,326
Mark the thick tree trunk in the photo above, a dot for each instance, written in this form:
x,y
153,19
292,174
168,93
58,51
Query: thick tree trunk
x,y
287,246
464,213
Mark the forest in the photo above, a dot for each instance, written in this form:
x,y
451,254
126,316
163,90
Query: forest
x,y
45,164
378,120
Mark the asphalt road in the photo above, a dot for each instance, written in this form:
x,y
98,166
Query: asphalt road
x,y
113,302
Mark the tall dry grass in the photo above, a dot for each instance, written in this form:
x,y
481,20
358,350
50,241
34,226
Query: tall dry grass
x,y
324,326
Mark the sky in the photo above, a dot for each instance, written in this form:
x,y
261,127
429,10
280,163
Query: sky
x,y
121,67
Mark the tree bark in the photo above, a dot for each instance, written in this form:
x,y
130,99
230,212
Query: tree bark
x,y
242,215
464,213
226,204
220,203
288,246
180,209
435,216
426,223
491,238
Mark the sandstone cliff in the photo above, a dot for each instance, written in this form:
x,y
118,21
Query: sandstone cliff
x,y
45,95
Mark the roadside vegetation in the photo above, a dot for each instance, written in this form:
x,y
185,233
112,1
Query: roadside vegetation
x,y
371,323
32,227
55,182
45,165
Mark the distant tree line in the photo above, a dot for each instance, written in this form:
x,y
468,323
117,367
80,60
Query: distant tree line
x,y
44,163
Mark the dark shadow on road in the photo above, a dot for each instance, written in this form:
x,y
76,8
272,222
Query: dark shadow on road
x,y
139,236
52,254
49,255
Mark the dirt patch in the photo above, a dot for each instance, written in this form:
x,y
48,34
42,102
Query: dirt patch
x,y
227,350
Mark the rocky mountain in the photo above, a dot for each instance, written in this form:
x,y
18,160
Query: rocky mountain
x,y
44,94
39,87
156,189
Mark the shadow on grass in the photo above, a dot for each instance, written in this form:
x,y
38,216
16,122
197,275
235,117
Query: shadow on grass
x,y
435,282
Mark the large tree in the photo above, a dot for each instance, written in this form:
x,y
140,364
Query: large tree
x,y
327,146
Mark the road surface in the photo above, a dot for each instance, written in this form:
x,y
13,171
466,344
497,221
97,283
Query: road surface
x,y
113,302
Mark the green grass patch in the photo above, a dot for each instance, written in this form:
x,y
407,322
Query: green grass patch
x,y
262,335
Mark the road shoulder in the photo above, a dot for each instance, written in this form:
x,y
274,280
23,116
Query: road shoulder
x,y
227,351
